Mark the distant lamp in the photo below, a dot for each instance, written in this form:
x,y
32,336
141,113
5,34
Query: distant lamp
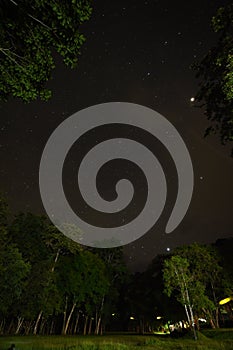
x,y
131,318
226,300
192,99
113,314
158,317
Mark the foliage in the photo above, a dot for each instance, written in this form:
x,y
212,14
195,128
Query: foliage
x,y
51,279
13,269
196,268
4,211
30,34
215,72
50,284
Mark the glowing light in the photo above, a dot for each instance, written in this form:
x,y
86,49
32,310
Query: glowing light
x,y
192,99
226,300
158,317
131,318
168,249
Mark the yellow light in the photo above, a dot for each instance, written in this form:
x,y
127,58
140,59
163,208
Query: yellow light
x,y
226,300
131,318
158,317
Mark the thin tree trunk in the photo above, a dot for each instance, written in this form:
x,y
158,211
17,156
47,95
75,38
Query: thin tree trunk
x,y
64,315
2,326
42,325
216,303
212,323
98,318
76,322
187,314
11,325
69,318
85,326
98,326
191,312
90,326
37,322
19,324
217,317
55,260
51,327
27,330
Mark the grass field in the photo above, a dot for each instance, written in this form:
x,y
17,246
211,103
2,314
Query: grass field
x,y
208,339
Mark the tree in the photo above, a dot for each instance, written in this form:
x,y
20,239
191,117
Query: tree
x,y
13,269
178,279
82,281
30,32
205,280
216,78
117,276
4,211
204,265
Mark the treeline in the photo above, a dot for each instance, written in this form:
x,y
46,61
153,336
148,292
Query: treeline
x,y
52,285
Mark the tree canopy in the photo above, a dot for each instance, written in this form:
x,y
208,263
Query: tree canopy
x,y
30,34
215,73
194,274
52,285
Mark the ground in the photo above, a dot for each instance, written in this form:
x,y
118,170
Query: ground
x,y
208,339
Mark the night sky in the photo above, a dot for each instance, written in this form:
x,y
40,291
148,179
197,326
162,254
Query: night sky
x,y
140,52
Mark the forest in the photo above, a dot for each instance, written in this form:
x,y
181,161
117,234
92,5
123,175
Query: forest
x,y
52,285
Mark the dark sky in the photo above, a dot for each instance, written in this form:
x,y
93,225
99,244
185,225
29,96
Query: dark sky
x,y
139,52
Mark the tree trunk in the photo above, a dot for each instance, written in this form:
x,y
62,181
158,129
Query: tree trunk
x,y
51,327
64,315
85,326
76,323
19,324
37,322
212,323
55,260
217,317
98,317
10,327
68,319
90,326
216,303
191,314
2,326
98,325
187,314
28,327
208,314
42,326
